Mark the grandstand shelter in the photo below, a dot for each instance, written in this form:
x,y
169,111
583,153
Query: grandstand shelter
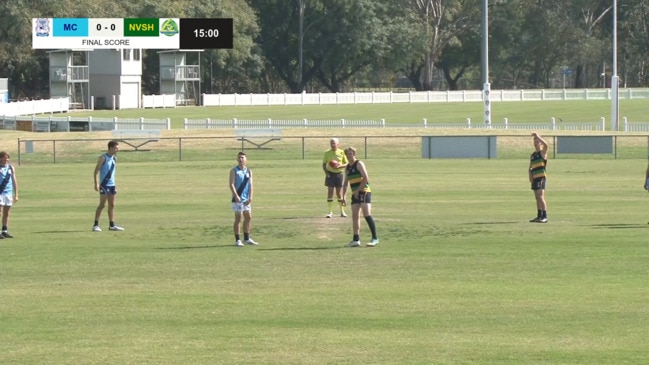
x,y
100,78
116,78
180,75
69,77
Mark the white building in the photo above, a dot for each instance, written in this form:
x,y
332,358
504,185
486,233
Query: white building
x,y
116,78
110,77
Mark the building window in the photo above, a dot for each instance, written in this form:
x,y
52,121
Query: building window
x,y
136,55
126,54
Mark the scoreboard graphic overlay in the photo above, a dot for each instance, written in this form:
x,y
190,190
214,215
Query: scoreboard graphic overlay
x,y
144,33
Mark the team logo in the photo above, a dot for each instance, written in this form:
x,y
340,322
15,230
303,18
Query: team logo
x,y
169,28
42,27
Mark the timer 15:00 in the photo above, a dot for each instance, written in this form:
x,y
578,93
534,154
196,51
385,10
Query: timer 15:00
x,y
206,33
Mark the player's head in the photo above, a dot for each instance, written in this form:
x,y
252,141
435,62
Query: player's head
x,y
113,146
334,143
241,158
350,152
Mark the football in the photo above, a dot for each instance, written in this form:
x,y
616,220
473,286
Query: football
x,y
334,164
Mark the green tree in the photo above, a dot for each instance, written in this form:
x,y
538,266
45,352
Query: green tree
x,y
445,21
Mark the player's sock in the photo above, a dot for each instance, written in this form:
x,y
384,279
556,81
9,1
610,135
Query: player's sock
x,y
246,236
544,214
237,237
340,204
112,223
539,214
330,203
96,223
356,238
370,222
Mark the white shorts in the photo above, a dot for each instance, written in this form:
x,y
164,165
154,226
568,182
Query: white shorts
x,y
240,207
6,199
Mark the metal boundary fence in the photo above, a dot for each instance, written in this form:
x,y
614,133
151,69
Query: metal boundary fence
x,y
288,148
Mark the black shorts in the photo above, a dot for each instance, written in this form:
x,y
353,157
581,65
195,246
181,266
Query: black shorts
x,y
107,190
538,183
334,180
363,197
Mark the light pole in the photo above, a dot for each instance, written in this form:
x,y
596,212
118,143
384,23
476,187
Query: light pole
x,y
615,83
486,88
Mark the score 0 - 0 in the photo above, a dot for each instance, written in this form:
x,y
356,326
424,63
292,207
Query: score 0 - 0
x,y
106,27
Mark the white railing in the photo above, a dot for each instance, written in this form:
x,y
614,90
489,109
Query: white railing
x,y
62,105
77,124
416,97
59,105
159,101
343,123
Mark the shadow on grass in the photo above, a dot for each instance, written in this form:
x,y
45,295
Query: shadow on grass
x,y
620,226
194,247
489,223
299,248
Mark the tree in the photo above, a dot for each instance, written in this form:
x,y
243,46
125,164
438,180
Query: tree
x,y
445,21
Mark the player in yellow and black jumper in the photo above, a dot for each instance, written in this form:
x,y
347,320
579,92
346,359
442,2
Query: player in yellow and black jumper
x,y
359,182
538,177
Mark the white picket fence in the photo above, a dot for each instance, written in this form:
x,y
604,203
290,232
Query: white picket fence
x,y
76,124
32,107
62,105
416,97
381,123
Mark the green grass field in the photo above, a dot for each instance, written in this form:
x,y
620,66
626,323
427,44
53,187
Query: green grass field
x,y
460,276
635,110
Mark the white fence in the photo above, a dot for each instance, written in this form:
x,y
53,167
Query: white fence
x,y
62,105
159,101
416,97
381,123
76,124
59,105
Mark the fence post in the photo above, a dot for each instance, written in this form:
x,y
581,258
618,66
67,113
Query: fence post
x,y
342,123
141,123
234,122
383,123
506,120
270,123
625,121
306,125
425,121
553,122
115,121
468,123
168,123
603,124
